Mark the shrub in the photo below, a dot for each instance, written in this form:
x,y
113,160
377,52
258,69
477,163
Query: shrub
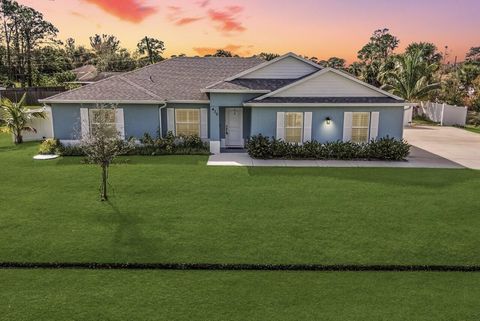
x,y
71,150
49,147
386,148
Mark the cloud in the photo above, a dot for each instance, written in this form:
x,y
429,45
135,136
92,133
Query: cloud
x,y
175,14
202,3
186,21
235,49
227,20
129,10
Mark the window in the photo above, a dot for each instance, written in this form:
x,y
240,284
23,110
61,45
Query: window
x,y
293,127
187,122
107,116
360,127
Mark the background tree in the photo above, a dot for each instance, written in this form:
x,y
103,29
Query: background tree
x,y
268,56
103,144
410,76
152,47
429,51
334,62
15,118
222,53
374,56
473,55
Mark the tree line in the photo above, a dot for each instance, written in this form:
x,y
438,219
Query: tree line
x,y
31,55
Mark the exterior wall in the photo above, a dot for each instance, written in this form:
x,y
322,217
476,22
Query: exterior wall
x,y
264,121
217,116
329,84
139,119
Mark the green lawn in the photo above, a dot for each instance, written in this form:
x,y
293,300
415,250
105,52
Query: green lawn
x,y
180,295
473,129
175,209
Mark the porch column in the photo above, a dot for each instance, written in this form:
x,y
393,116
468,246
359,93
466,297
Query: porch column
x,y
214,130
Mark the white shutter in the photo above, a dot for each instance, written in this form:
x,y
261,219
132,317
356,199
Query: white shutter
x,y
120,122
307,126
280,125
171,120
84,122
347,126
203,123
374,118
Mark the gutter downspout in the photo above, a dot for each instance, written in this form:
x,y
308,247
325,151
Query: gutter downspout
x,y
160,118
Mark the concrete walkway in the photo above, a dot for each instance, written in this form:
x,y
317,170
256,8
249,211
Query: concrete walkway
x,y
455,144
418,159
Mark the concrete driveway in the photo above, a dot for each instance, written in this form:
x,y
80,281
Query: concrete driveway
x,y
454,144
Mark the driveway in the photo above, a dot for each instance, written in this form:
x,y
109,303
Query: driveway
x,y
454,144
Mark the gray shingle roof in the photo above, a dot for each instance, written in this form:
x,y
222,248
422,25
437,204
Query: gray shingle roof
x,y
173,79
255,84
328,100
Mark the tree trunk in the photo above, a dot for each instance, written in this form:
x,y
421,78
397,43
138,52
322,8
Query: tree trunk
x,y
7,47
18,137
29,60
104,195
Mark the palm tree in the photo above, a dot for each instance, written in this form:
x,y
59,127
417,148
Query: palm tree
x,y
14,118
410,77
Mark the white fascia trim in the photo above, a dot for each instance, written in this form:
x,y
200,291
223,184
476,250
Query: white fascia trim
x,y
328,104
267,63
60,101
323,71
236,91
188,101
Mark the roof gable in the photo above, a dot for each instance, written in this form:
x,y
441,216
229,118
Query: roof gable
x,y
329,83
289,66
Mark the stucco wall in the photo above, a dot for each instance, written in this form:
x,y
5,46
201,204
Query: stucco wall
x,y
139,119
264,121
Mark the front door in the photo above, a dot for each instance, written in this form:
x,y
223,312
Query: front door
x,y
234,127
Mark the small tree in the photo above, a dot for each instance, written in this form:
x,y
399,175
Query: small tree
x,y
15,118
103,143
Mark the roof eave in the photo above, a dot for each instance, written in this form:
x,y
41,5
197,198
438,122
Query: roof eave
x,y
85,101
399,104
236,91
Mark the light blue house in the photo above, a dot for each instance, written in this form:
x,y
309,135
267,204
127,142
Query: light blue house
x,y
227,100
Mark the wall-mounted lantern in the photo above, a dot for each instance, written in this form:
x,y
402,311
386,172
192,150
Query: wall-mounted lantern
x,y
328,120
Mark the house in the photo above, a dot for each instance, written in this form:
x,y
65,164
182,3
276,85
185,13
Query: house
x,y
226,100
89,74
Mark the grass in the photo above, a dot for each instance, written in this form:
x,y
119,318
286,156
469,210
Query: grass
x,y
202,295
473,129
175,209
422,120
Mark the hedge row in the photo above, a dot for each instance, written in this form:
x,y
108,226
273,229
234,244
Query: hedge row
x,y
148,146
386,148
235,267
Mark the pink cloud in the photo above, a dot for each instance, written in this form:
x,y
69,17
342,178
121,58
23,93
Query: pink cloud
x,y
227,20
187,20
175,14
129,10
236,49
202,3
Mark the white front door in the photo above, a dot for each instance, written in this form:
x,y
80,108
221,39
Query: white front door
x,y
234,127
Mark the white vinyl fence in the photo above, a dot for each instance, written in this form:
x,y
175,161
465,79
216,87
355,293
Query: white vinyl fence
x,y
44,127
445,115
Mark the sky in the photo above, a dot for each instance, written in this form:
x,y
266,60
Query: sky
x,y
319,28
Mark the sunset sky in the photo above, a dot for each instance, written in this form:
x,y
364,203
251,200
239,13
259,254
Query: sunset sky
x,y
320,28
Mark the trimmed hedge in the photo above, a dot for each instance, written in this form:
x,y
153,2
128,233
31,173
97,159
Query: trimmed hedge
x,y
148,146
386,148
239,267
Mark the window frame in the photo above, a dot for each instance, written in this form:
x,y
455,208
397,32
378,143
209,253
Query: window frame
x,y
91,117
367,127
189,122
286,114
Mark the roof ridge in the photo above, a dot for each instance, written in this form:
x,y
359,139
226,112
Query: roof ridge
x,y
130,82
